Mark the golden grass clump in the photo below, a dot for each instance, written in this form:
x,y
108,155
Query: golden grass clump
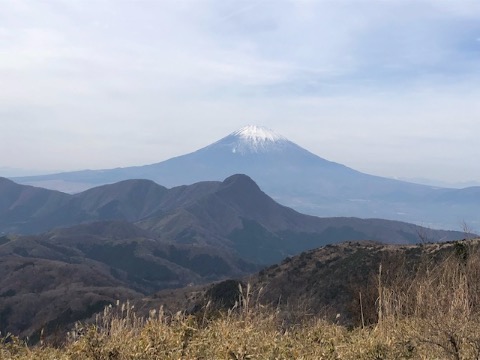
x,y
256,333
439,306
432,314
232,336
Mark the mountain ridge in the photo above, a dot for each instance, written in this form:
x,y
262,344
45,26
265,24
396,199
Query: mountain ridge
x,y
186,235
294,177
234,215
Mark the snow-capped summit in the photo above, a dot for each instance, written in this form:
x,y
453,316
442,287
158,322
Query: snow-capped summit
x,y
294,176
257,134
253,139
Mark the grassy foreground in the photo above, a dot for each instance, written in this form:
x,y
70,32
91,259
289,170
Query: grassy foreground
x,y
257,336
431,313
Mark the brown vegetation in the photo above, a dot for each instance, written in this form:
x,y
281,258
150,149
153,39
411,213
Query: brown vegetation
x,y
430,310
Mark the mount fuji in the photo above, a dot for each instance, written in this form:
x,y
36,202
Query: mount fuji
x,y
294,177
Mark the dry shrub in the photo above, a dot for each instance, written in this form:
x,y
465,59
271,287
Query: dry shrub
x,y
247,331
432,312
439,305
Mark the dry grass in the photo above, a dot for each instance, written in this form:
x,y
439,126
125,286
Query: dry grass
x,y
259,335
433,314
439,304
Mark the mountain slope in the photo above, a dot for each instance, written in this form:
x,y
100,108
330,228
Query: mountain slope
x,y
184,235
239,216
26,209
294,177
234,216
127,200
30,208
54,279
330,281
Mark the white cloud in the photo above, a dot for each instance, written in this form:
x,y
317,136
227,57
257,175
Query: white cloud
x,y
371,84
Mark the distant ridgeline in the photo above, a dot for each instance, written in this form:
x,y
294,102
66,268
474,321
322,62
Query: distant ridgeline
x,y
294,177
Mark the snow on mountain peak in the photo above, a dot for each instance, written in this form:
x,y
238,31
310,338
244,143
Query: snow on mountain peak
x,y
256,139
257,134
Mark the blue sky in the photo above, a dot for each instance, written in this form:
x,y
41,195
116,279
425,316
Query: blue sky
x,y
387,87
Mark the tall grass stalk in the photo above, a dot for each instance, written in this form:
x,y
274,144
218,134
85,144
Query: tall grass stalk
x,y
439,304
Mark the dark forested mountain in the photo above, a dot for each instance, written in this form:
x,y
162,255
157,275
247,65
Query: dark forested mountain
x,y
295,177
233,215
132,238
338,282
68,274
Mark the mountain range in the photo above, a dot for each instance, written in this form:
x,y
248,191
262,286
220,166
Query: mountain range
x,y
66,256
321,283
234,214
294,177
